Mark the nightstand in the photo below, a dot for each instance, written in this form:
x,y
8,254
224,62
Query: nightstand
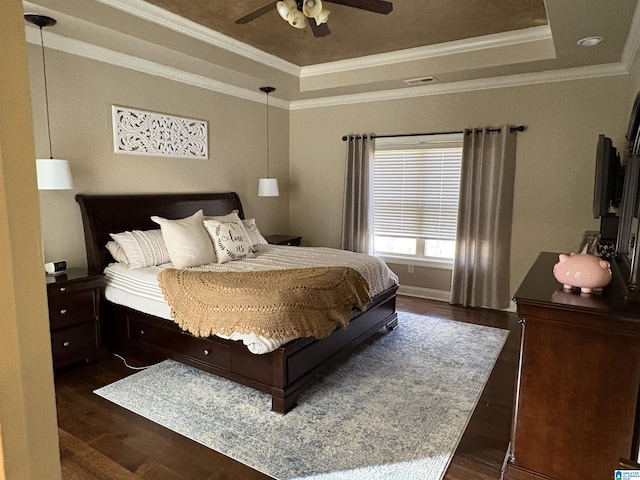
x,y
74,316
283,240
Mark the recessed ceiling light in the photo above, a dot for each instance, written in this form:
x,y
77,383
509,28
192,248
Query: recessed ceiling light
x,y
589,41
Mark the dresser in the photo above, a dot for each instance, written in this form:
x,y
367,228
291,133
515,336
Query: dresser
x,y
74,316
575,412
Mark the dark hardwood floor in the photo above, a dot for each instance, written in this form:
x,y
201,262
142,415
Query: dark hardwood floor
x,y
99,440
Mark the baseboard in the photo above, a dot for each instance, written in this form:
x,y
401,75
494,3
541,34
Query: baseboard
x,y
421,292
433,294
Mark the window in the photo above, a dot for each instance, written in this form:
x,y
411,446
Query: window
x,y
416,188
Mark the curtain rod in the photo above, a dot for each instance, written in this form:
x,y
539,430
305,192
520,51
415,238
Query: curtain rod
x,y
519,128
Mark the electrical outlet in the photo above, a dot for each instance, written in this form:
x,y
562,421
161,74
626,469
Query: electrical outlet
x,y
410,268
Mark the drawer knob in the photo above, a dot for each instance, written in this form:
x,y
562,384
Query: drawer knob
x,y
141,332
63,311
63,289
66,343
205,351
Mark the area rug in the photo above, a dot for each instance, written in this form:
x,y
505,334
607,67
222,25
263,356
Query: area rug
x,y
393,409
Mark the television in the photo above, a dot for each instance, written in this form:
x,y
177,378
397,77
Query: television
x,y
608,186
609,178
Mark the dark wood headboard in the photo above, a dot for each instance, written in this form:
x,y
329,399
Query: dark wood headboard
x,y
105,214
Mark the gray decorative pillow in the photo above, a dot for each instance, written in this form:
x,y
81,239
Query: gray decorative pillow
x,y
230,240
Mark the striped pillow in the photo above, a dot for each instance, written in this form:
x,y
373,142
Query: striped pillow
x,y
142,248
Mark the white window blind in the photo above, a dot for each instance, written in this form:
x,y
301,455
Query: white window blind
x,y
416,191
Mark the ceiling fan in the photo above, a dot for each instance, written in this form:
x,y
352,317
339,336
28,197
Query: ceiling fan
x,y
297,11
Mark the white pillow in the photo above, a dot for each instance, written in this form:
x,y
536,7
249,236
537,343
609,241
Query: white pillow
x,y
230,240
140,248
254,234
117,252
187,241
229,217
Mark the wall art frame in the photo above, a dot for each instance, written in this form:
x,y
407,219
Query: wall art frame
x,y
140,132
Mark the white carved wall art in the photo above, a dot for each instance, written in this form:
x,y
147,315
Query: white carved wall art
x,y
137,132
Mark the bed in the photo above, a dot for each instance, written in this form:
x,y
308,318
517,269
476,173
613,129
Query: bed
x,y
282,373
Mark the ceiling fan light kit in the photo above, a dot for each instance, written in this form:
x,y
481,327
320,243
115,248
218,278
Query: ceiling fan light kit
x,y
313,9
322,17
295,11
284,8
297,20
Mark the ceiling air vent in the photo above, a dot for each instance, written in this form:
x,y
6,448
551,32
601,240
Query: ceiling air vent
x,y
414,82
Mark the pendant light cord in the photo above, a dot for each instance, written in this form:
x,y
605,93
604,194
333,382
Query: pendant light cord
x,y
268,135
46,94
267,90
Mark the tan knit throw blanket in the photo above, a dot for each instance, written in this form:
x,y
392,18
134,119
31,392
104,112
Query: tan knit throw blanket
x,y
303,302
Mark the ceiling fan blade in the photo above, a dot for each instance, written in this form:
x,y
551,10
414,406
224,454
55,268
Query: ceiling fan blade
x,y
377,6
321,30
256,13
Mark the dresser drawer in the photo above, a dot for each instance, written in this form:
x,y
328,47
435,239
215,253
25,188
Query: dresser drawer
x,y
72,309
74,344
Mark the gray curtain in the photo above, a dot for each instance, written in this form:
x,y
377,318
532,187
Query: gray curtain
x,y
357,217
483,242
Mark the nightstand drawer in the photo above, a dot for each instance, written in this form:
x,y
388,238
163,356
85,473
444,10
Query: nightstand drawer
x,y
74,344
72,309
61,288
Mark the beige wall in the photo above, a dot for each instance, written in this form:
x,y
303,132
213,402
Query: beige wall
x,y
28,433
81,93
555,156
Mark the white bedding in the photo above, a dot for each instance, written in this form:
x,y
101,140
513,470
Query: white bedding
x,y
138,288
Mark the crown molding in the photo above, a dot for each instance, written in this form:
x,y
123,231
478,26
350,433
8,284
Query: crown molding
x,y
101,54
105,55
421,53
608,70
189,28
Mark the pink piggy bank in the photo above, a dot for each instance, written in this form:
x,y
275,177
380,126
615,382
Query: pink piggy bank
x,y
588,272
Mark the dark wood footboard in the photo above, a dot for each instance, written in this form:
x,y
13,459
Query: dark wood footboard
x,y
282,373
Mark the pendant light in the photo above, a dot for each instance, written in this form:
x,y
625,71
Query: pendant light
x,y
268,187
53,174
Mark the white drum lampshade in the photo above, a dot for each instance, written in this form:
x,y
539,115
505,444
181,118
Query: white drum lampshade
x,y
53,174
268,187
